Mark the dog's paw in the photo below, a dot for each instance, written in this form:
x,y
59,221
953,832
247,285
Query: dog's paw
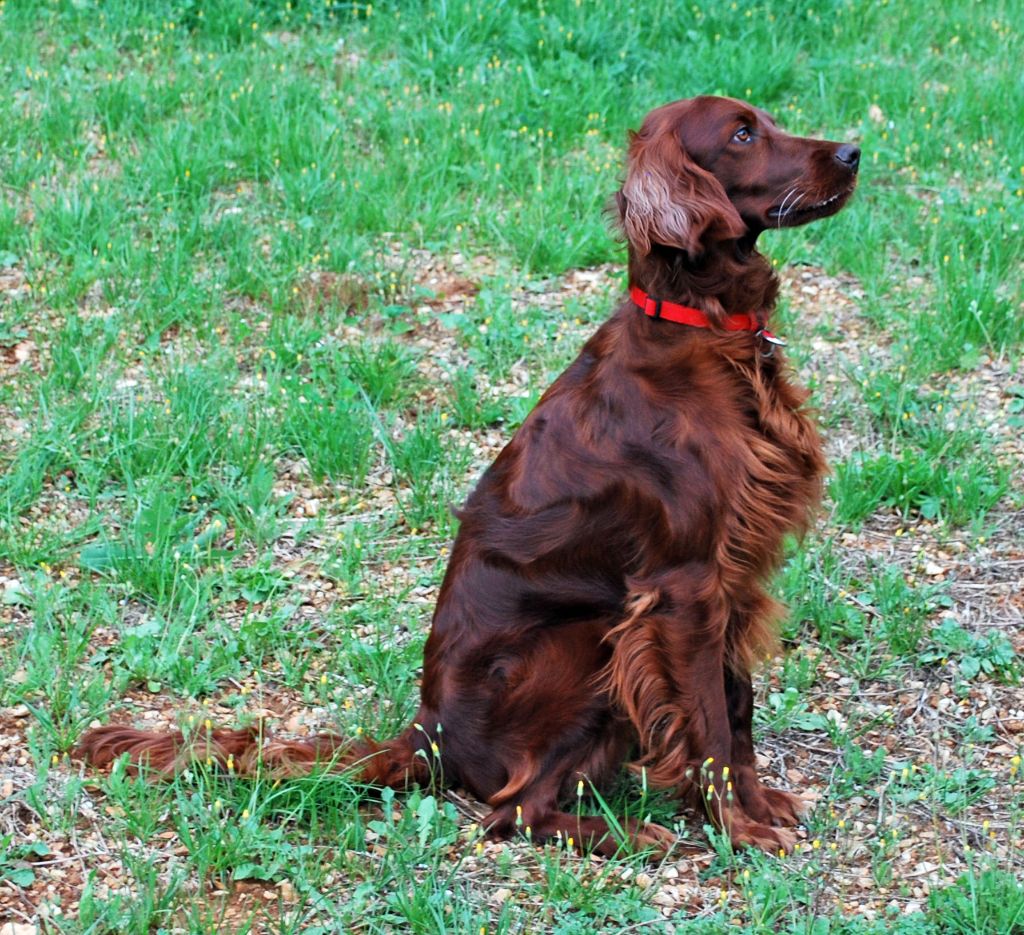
x,y
784,808
763,836
656,840
767,806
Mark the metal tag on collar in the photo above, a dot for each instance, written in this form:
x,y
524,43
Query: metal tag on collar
x,y
772,341
771,338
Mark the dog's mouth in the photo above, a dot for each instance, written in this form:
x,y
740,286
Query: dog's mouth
x,y
799,208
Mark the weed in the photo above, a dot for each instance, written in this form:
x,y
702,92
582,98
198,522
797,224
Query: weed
x,y
991,654
985,901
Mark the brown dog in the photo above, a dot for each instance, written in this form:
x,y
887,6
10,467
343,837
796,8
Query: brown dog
x,y
606,591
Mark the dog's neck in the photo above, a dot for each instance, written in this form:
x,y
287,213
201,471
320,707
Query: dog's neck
x,y
731,279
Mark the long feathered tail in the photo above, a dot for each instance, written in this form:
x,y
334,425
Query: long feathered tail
x,y
251,751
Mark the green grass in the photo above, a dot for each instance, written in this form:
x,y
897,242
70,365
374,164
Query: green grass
x,y
276,280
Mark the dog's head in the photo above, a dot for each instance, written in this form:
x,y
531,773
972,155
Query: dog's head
x,y
711,169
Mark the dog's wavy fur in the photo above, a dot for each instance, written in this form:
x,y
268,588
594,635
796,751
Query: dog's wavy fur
x,y
606,595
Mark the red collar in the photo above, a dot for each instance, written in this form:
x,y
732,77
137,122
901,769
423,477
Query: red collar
x,y
684,315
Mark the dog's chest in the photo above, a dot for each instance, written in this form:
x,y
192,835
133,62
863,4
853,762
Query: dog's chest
x,y
772,484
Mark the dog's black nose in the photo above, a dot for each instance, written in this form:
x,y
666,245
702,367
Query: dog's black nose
x,y
849,156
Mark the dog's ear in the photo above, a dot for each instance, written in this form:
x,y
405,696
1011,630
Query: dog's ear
x,y
668,199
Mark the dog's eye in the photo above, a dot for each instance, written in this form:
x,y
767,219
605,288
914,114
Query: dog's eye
x,y
743,135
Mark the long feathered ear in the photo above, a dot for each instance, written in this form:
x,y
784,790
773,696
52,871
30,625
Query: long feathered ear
x,y
668,199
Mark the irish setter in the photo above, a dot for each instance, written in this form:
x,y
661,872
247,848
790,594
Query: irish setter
x,y
605,597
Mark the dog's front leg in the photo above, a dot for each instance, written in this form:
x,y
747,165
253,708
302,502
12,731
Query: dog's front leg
x,y
771,806
667,673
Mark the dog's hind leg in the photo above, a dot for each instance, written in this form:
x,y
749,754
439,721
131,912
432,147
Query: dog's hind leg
x,y
538,818
532,803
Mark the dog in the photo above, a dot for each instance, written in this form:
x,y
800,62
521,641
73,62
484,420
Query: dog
x,y
606,596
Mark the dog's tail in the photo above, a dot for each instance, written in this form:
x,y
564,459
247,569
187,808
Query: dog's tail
x,y
252,751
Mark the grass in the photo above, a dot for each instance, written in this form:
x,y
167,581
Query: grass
x,y
276,283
